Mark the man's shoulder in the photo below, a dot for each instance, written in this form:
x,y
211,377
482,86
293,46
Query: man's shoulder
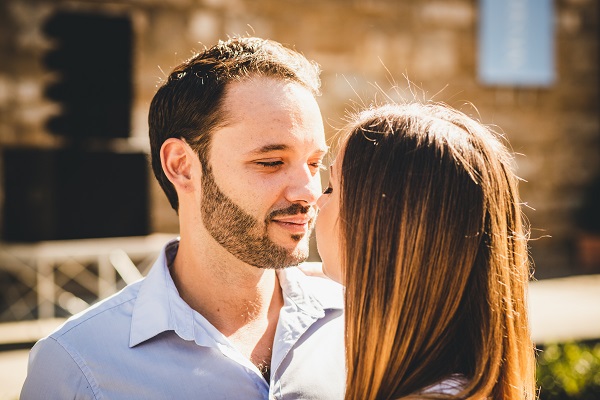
x,y
322,284
110,314
312,274
326,291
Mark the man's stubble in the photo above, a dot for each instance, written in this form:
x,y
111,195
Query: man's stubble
x,y
244,236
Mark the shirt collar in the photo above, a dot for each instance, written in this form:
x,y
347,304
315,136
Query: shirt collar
x,y
312,295
159,307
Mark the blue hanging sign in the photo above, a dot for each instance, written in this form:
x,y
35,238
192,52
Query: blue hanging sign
x,y
516,42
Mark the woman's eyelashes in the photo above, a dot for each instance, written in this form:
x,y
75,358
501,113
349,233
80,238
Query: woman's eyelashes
x,y
329,190
318,165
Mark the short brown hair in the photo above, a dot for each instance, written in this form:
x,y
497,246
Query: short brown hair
x,y
188,105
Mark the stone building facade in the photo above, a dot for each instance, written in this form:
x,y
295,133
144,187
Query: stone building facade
x,y
367,49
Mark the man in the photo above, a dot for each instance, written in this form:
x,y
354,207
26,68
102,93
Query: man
x,y
237,143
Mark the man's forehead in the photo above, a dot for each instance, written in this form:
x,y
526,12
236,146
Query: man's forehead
x,y
263,115
248,95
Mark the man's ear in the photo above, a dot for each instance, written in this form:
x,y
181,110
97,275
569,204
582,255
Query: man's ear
x,y
177,159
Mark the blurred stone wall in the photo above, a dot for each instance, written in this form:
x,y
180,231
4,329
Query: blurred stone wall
x,y
364,48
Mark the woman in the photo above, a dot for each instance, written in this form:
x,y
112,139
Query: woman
x,y
422,224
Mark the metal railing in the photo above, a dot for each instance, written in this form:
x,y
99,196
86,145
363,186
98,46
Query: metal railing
x,y
59,278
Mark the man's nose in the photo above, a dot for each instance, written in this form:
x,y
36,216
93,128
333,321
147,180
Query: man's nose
x,y
304,186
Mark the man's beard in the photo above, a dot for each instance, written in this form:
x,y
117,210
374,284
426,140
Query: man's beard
x,y
243,235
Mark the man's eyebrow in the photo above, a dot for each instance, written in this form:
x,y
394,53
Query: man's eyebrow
x,y
277,147
270,147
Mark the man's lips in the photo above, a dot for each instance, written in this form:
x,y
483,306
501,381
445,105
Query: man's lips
x,y
293,219
297,224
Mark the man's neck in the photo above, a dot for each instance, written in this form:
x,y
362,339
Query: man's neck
x,y
243,302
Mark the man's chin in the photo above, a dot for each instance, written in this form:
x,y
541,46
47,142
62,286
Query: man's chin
x,y
277,255
295,243
296,254
292,260
291,263
298,257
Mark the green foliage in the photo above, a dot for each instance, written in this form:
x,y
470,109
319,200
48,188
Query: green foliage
x,y
569,371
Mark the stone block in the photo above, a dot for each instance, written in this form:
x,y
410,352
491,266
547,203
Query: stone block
x,y
448,14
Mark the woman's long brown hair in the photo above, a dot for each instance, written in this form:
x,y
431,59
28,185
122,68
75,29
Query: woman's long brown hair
x,y
435,257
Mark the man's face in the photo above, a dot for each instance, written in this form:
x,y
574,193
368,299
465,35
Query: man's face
x,y
262,180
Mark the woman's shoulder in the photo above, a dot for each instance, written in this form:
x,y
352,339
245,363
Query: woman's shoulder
x,y
451,385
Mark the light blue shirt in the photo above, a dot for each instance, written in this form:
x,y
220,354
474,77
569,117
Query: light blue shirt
x,y
145,342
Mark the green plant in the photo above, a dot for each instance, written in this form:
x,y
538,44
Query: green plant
x,y
569,371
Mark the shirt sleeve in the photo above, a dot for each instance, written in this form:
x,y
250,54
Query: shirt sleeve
x,y
52,373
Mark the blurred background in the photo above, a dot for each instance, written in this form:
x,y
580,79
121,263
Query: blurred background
x,y
82,215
